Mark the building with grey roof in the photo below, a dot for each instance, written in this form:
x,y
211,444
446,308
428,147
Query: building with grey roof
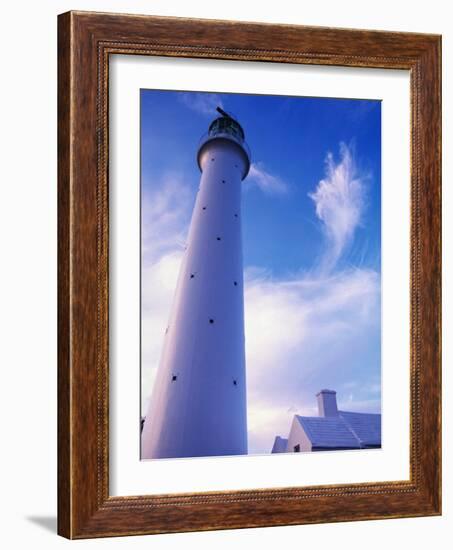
x,y
280,445
331,430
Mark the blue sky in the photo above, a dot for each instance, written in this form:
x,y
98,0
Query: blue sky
x,y
311,237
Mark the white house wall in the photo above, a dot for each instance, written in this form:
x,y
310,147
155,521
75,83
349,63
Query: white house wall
x,y
297,436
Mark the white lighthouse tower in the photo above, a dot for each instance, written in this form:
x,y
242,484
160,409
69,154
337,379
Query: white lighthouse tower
x,y
198,405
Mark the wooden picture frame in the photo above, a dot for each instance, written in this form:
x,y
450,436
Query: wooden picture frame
x,y
85,42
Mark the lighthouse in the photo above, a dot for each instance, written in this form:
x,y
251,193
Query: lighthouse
x,y
198,404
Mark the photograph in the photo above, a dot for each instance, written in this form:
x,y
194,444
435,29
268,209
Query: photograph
x,y
249,281
260,274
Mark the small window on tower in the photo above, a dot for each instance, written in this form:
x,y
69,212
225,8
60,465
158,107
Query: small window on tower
x,y
173,378
223,181
219,239
211,321
235,382
204,207
235,283
192,275
297,448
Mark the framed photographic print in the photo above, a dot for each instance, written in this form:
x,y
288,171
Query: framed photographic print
x,y
249,275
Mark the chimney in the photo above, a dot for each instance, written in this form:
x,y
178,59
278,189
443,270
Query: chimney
x,y
327,403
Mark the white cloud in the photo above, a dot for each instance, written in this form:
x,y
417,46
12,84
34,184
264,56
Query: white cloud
x,y
165,217
265,181
302,335
165,220
339,200
158,285
202,103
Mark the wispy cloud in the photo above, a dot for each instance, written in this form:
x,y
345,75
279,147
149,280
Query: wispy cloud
x,y
268,183
165,219
339,200
158,286
165,216
202,103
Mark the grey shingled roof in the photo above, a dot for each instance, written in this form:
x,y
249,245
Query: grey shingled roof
x,y
348,430
366,426
328,432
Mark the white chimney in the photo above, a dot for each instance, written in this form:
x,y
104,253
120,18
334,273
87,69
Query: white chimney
x,y
327,403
